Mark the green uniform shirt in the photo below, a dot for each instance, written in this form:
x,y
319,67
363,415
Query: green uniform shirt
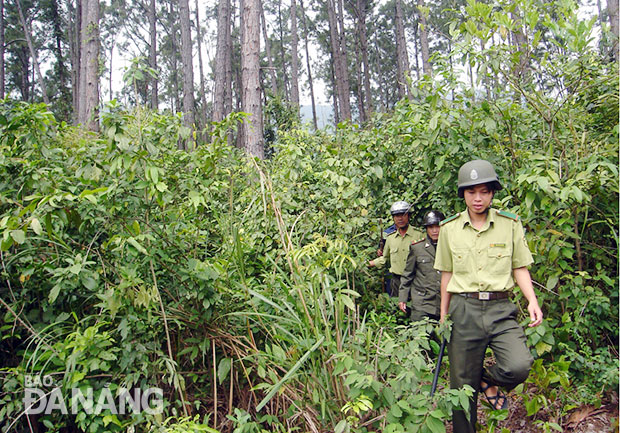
x,y
482,260
421,282
396,250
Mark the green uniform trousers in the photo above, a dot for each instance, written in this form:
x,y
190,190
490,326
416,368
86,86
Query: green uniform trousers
x,y
479,324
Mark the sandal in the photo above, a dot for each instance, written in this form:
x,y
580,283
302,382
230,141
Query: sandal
x,y
494,399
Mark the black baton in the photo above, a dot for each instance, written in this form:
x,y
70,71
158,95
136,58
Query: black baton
x,y
439,358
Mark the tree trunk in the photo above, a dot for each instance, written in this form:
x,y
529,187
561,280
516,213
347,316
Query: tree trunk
x,y
1,49
402,59
426,64
361,10
612,11
111,69
341,76
250,80
189,109
75,47
310,84
203,92
88,114
272,70
520,42
33,53
222,79
58,38
152,13
174,70
416,28
283,54
294,57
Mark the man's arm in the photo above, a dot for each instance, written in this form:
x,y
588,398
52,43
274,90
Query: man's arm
x,y
379,262
524,281
445,296
406,280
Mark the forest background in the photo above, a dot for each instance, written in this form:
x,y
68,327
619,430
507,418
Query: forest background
x,y
142,246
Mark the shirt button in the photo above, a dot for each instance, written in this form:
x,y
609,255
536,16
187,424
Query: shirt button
x,y
478,235
481,284
480,268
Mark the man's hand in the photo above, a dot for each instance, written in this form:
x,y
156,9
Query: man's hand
x,y
536,314
371,264
402,306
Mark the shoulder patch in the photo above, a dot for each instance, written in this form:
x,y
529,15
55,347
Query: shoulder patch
x,y
450,218
510,215
417,242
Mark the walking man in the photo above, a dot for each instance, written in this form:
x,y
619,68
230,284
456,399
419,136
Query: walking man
x,y
421,281
481,253
397,245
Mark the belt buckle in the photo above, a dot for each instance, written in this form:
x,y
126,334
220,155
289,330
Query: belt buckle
x,y
484,296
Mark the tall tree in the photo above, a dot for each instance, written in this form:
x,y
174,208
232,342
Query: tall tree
x,y
361,11
75,47
152,15
612,11
252,131
401,51
203,92
423,30
272,70
189,108
341,75
89,66
33,53
2,49
307,49
294,56
222,85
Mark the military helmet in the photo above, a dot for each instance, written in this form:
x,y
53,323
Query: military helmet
x,y
433,218
477,172
400,207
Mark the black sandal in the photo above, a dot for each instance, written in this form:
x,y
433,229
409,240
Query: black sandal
x,y
494,399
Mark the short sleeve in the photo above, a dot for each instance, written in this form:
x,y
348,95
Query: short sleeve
x,y
443,255
521,255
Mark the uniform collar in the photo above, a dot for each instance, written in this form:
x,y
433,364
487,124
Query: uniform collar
x,y
409,231
490,219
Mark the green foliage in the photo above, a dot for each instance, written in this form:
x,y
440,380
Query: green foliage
x,y
242,285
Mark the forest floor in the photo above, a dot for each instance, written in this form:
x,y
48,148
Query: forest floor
x,y
585,419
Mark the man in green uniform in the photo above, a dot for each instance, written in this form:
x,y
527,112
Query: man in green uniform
x,y
420,282
397,245
481,253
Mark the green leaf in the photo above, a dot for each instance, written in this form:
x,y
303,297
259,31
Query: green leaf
x,y
435,425
342,426
54,293
223,368
36,226
134,243
18,236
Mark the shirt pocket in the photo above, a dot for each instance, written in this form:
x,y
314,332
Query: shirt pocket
x,y
460,260
499,258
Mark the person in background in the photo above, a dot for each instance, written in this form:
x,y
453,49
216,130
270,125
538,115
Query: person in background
x,y
387,276
420,284
397,244
481,253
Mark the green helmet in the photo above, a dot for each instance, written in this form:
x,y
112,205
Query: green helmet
x,y
477,172
400,207
433,218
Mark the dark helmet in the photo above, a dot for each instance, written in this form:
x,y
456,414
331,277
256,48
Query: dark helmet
x,y
400,207
477,172
433,218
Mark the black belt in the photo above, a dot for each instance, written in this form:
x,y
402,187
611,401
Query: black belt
x,y
486,296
